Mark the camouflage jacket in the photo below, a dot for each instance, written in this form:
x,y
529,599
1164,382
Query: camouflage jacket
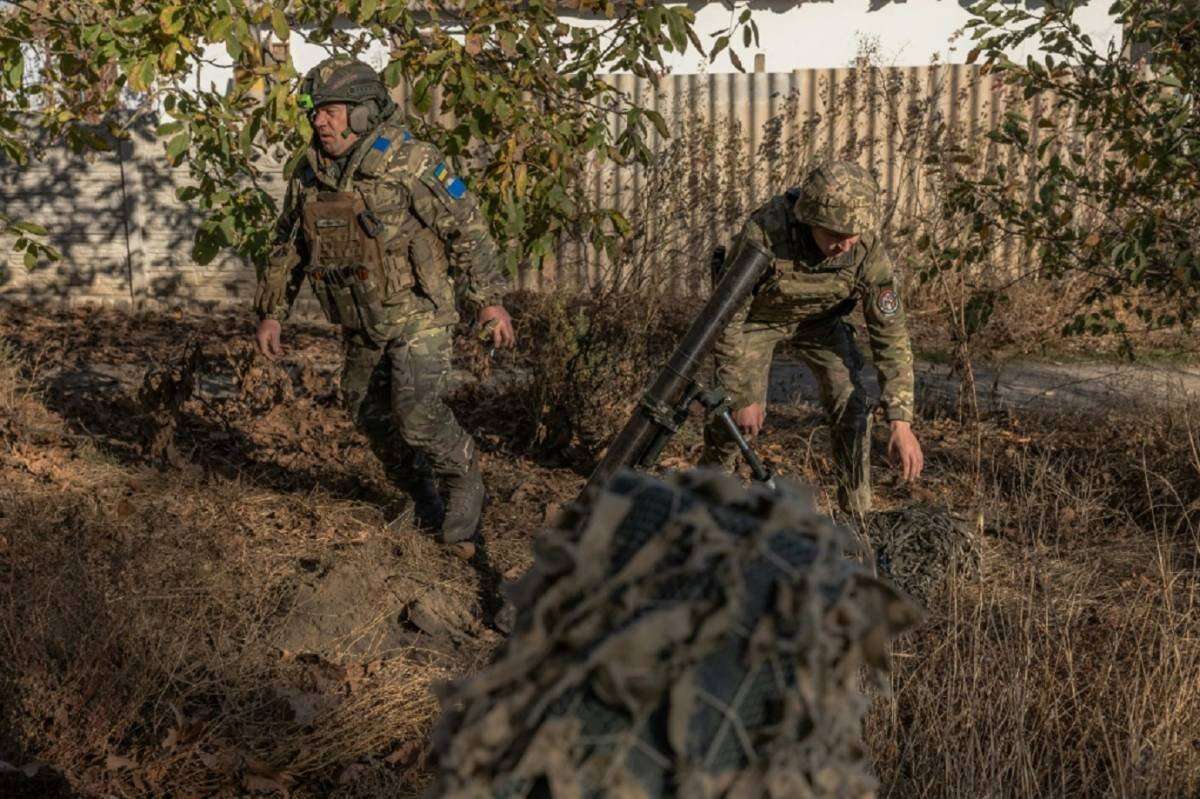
x,y
807,290
424,214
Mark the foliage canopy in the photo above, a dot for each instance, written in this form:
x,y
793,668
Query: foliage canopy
x,y
522,104
1114,190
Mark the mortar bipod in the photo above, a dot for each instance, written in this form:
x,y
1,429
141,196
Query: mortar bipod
x,y
716,406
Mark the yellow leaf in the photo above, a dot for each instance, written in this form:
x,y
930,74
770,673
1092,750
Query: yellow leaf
x,y
169,20
522,179
169,53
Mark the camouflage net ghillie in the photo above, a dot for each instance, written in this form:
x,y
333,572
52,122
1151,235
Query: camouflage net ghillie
x,y
919,546
680,637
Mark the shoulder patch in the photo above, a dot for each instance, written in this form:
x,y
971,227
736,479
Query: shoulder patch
x,y
407,137
454,185
887,301
381,144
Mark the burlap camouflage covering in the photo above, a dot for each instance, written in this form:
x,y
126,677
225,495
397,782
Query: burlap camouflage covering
x,y
681,637
919,546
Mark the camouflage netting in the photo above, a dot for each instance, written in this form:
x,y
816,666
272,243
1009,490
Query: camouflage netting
x,y
687,637
919,546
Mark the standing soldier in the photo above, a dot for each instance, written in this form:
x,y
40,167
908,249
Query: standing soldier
x,y
827,257
387,236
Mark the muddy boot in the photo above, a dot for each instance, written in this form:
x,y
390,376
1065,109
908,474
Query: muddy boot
x,y
428,509
464,506
424,507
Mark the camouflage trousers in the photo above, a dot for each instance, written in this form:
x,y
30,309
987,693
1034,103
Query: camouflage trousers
x,y
395,394
830,352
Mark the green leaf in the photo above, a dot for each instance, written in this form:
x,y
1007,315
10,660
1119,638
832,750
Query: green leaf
x,y
393,73
659,123
279,25
205,247
720,44
129,24
229,231
31,228
15,74
30,259
178,146
218,29
367,10
146,73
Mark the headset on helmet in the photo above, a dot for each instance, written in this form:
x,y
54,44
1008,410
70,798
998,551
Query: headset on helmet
x,y
344,80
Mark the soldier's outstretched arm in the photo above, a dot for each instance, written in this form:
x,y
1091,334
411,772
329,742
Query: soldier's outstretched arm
x,y
279,278
891,349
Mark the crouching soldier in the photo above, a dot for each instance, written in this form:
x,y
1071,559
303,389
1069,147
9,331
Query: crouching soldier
x,y
388,238
827,258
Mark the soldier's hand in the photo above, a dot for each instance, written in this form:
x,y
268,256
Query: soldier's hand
x,y
268,337
905,451
750,419
502,331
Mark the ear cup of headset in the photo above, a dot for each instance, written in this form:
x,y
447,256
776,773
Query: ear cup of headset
x,y
364,116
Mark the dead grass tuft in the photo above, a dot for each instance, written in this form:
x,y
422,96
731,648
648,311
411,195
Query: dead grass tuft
x,y
1071,668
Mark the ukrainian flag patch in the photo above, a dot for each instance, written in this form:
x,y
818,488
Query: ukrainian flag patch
x,y
453,185
381,144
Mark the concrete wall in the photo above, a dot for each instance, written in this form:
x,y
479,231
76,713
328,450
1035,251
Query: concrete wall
x,y
124,237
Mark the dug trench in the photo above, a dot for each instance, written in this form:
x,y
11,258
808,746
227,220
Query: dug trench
x,y
201,593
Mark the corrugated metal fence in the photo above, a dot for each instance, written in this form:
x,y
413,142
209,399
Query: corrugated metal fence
x,y
739,139
736,140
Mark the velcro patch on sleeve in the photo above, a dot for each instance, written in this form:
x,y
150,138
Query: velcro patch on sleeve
x,y
454,186
887,301
382,144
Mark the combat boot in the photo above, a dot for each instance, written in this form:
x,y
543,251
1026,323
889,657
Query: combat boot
x,y
428,508
464,506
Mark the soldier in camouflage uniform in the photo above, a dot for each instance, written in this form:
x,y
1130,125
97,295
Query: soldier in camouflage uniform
x,y
827,258
388,239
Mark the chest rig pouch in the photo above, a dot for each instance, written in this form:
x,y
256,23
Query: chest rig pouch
x,y
805,288
346,267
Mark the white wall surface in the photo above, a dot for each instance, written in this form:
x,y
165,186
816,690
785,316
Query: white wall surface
x,y
808,35
831,33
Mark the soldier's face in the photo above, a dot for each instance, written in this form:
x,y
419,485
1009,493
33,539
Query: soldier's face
x,y
332,125
833,244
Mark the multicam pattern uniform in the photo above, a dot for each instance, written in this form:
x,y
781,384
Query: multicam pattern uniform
x,y
398,358
805,297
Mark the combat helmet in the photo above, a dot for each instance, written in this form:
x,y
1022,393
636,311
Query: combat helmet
x,y
342,79
839,196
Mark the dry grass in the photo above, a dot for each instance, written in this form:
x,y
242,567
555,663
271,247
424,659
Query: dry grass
x,y
140,615
1072,668
141,610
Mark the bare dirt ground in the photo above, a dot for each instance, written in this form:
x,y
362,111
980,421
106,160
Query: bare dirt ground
x,y
239,618
1025,385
